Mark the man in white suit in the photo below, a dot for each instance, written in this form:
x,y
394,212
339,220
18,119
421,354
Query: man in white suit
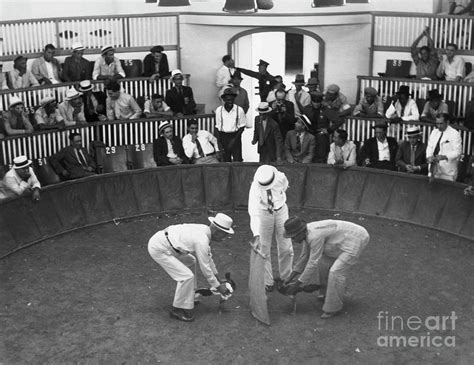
x,y
444,150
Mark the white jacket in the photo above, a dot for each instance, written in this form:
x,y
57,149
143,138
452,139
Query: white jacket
x,y
451,147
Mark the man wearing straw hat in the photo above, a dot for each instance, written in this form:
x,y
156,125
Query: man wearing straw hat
x,y
72,108
300,144
20,180
94,102
411,154
107,66
267,135
47,115
15,120
168,148
76,67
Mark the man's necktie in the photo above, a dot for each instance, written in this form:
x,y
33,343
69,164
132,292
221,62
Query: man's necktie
x,y
270,201
402,112
298,142
82,160
180,91
437,148
412,155
199,147
172,146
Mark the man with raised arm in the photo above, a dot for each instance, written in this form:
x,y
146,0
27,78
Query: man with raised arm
x,y
425,58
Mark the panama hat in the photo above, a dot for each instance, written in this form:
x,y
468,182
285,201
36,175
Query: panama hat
x,y
72,94
14,100
265,177
21,162
413,131
85,85
77,46
163,125
263,108
223,222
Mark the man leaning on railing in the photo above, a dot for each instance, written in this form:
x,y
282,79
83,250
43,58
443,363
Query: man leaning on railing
x,y
15,120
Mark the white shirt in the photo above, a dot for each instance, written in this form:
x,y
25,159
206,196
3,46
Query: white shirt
x,y
258,199
49,68
12,185
451,147
451,70
223,76
101,68
230,122
67,112
125,107
171,153
410,113
149,108
384,151
208,144
305,99
347,153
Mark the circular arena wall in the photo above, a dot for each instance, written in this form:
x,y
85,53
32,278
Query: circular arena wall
x,y
104,198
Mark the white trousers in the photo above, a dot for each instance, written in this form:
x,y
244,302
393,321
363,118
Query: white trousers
x,y
273,225
181,268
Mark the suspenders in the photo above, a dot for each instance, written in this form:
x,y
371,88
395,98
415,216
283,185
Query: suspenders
x,y
236,119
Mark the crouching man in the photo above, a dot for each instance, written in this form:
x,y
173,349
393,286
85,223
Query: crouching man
x,y
330,248
173,249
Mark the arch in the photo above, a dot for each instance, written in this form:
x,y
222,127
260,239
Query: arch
x,y
322,44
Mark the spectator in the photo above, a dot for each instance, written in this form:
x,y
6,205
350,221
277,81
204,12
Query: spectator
x,y
72,108
370,105
313,84
180,98
47,116
283,112
121,106
168,148
461,7
299,97
94,103
73,161
411,155
15,120
444,150
76,67
47,69
267,135
107,66
425,58
20,180
336,101
225,72
379,152
451,67
200,146
342,153
242,98
155,64
156,107
434,106
20,77
469,113
3,81
299,143
230,124
277,85
402,107
265,80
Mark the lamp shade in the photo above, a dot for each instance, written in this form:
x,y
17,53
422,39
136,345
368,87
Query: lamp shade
x,y
240,6
173,3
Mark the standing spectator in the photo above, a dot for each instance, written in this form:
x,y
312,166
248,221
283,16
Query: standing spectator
x,y
342,153
299,97
225,72
242,98
411,155
47,116
370,105
73,161
76,67
265,80
277,85
72,108
168,148
299,143
15,120
434,106
403,107
444,150
20,180
107,66
121,106
230,124
337,101
200,146
180,98
156,107
267,135
283,112
425,58
94,102
451,67
155,64
20,77
313,84
379,152
47,69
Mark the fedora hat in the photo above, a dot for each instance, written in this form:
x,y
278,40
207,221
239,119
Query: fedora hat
x,y
299,80
14,100
380,124
265,177
434,95
72,94
294,226
413,131
85,85
77,46
228,92
21,162
305,120
107,48
223,222
316,96
163,125
263,108
312,81
404,89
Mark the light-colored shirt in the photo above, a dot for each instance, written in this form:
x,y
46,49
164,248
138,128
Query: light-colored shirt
x,y
384,150
171,153
16,124
103,69
223,76
409,113
450,146
43,118
13,185
230,122
67,112
346,153
258,200
453,69
430,112
305,99
149,108
125,107
23,81
207,141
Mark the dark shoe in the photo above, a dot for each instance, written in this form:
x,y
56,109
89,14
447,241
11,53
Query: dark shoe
x,y
327,315
182,314
269,288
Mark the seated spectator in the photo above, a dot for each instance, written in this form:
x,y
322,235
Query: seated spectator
x,y
469,114
277,85
337,101
451,67
299,97
94,102
312,85
156,107
47,69
242,98
224,73
180,98
120,105
167,148
107,66
20,180
283,112
3,80
461,7
76,67
433,107
200,146
379,152
342,153
15,120
47,116
370,106
411,154
267,136
299,143
155,64
425,58
403,107
20,77
73,161
72,108
444,150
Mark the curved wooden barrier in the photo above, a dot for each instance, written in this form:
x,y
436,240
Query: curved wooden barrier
x,y
98,199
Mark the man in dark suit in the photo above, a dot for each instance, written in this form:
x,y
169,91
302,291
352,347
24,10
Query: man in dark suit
x,y
94,102
379,152
155,64
265,80
73,161
411,155
76,67
168,148
283,112
267,135
299,143
180,98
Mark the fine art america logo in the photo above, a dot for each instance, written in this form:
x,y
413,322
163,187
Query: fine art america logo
x,y
416,331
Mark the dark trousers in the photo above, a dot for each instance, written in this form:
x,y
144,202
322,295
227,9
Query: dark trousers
x,y
322,148
232,146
